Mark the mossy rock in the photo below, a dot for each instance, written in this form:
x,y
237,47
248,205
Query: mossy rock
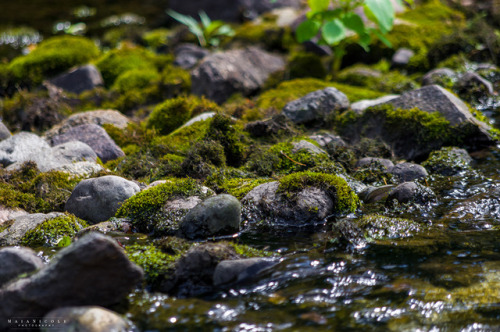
x,y
52,57
448,161
291,90
135,79
392,82
120,60
175,81
202,158
173,113
147,210
157,38
344,198
36,192
239,187
156,264
54,232
284,158
302,65
267,34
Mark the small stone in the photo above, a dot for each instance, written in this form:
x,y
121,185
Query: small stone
x,y
79,79
369,161
98,199
402,57
15,261
308,146
409,172
72,151
407,192
238,270
218,215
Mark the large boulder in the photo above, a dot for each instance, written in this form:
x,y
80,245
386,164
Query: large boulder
x,y
316,106
98,117
218,215
88,319
93,135
220,75
15,261
19,226
92,271
79,79
230,10
98,199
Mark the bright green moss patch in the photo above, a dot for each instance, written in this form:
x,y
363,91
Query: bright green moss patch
x,y
156,38
345,200
155,263
248,252
173,113
135,79
239,187
267,34
182,139
175,81
391,82
52,57
147,211
51,231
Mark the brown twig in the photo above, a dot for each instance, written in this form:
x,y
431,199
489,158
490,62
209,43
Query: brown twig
x,y
292,159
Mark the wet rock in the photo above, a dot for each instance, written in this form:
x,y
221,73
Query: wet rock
x,y
440,76
92,271
220,75
360,106
89,319
187,56
411,192
97,117
21,225
238,270
15,261
482,209
114,225
448,161
69,152
79,79
194,271
470,85
308,146
370,161
98,199
409,172
218,215
402,57
93,135
376,194
230,10
316,106
23,147
4,132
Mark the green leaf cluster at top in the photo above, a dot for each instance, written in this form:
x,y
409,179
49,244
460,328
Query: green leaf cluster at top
x,y
207,31
334,24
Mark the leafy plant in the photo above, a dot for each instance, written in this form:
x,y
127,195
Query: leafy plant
x,y
207,31
336,23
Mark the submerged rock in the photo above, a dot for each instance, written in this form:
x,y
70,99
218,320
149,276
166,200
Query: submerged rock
x,y
98,199
219,215
15,261
92,271
220,75
89,319
316,106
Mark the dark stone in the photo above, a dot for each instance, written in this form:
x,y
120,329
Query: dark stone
x,y
402,57
93,135
16,261
79,79
218,215
220,75
411,192
98,199
369,161
376,194
92,271
316,106
187,56
239,270
408,172
229,10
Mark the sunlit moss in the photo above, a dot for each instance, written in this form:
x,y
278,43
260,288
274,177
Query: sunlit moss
x,y
51,231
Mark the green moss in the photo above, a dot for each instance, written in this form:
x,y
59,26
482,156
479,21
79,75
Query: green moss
x,y
120,60
448,161
230,136
146,209
267,34
364,76
36,192
173,113
156,264
175,81
182,139
303,65
248,252
51,231
135,79
345,200
202,157
52,57
156,38
239,187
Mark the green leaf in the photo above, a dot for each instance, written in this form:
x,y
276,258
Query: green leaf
x,y
333,32
383,11
318,5
383,39
64,241
354,22
205,20
364,41
307,30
